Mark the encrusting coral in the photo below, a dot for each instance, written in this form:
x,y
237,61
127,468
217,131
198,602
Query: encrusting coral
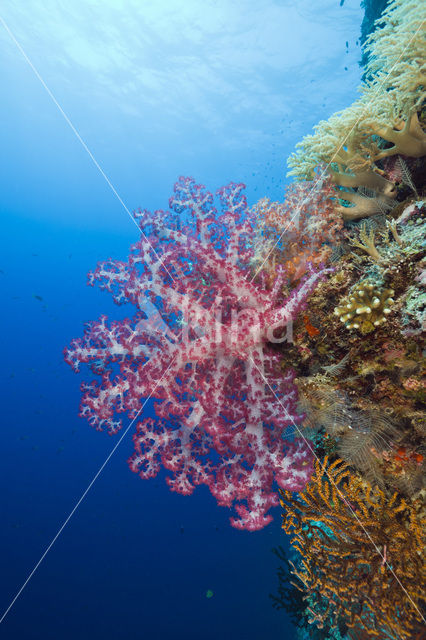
x,y
366,307
361,562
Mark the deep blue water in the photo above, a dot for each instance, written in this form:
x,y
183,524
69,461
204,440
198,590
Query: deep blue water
x,y
219,90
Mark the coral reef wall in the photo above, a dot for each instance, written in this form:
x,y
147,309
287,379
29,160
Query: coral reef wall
x,y
357,531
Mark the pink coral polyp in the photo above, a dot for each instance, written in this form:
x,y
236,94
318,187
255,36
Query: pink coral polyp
x,y
198,345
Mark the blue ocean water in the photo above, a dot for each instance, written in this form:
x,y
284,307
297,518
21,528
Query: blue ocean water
x,y
155,89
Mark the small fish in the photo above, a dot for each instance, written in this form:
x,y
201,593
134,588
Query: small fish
x,y
209,593
38,297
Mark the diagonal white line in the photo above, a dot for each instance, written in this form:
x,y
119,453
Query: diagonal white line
x,y
319,179
80,139
342,496
80,500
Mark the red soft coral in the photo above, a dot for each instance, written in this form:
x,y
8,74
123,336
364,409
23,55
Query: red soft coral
x,y
200,348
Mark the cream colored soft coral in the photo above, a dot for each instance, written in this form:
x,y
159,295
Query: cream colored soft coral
x,y
396,50
381,123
